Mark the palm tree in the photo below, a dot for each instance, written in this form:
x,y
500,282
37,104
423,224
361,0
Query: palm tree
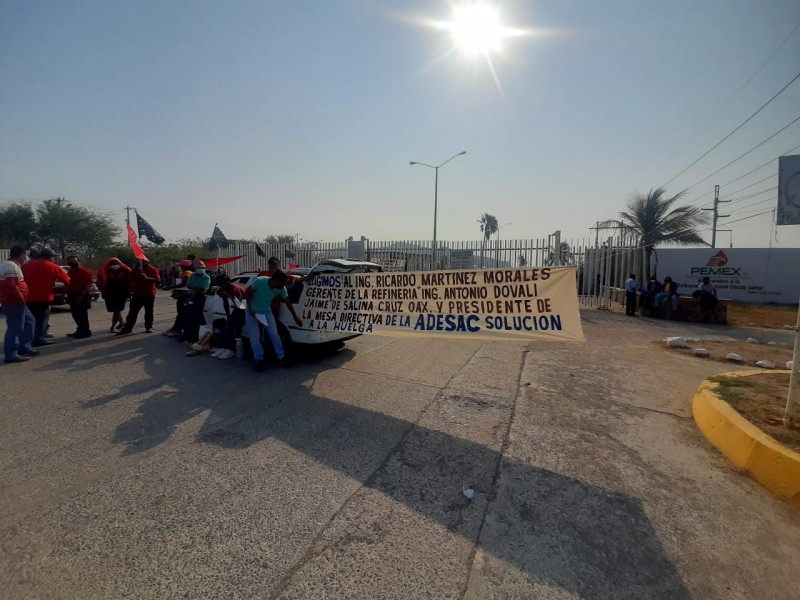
x,y
489,227
653,220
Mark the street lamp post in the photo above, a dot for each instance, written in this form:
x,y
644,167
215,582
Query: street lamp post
x,y
499,227
436,199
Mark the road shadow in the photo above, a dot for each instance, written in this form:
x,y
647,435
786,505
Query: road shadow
x,y
557,530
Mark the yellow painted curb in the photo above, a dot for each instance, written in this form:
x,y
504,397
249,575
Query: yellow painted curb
x,y
770,463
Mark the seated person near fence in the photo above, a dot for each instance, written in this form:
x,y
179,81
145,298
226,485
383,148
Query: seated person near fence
x,y
653,289
669,290
707,293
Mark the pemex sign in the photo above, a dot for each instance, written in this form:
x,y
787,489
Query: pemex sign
x,y
757,275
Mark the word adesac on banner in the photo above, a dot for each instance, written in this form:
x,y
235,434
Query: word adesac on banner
x,y
493,304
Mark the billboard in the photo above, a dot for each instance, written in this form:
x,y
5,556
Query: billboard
x,y
789,190
756,275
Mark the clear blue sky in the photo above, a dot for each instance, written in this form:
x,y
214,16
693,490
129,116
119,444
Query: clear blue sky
x,y
301,117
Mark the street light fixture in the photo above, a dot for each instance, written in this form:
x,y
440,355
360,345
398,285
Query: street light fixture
x,y
436,199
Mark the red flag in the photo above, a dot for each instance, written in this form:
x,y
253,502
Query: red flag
x,y
214,262
137,249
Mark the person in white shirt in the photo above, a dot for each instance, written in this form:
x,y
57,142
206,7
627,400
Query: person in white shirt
x,y
630,296
708,297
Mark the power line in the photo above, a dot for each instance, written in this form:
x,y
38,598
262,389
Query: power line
x,y
750,217
744,188
742,124
735,94
771,160
753,194
745,154
743,209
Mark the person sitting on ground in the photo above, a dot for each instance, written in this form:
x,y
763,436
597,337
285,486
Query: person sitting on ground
x,y
669,290
259,298
214,339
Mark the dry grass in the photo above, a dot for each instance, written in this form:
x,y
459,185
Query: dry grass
x,y
761,315
761,399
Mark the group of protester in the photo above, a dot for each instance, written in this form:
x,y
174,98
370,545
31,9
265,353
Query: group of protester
x,y
27,294
656,293
252,310
27,286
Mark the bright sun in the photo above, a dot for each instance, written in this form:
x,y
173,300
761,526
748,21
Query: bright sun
x,y
477,30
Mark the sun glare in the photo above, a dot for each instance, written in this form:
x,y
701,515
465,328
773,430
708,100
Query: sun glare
x,y
477,30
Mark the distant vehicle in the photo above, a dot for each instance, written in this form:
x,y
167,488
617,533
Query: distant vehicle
x,y
60,291
294,337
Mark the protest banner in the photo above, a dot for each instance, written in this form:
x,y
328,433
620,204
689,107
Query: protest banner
x,y
488,304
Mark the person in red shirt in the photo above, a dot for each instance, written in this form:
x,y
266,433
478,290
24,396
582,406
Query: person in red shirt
x,y
113,279
41,275
273,265
78,296
143,280
19,320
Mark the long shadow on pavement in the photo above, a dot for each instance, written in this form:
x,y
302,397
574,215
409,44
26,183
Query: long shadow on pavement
x,y
563,532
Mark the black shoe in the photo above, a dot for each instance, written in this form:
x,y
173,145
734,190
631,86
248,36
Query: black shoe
x,y
30,352
73,334
261,365
124,332
16,359
82,336
43,343
283,363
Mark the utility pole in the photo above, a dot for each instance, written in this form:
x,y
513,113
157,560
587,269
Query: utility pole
x,y
717,216
128,210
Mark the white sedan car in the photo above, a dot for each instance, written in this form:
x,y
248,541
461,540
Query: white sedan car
x,y
290,333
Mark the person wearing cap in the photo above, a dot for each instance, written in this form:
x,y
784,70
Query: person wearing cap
x,y
41,275
273,264
198,285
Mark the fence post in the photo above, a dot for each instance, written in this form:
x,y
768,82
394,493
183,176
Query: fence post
x,y
794,381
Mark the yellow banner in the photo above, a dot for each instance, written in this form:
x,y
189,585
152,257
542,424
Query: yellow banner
x,y
489,304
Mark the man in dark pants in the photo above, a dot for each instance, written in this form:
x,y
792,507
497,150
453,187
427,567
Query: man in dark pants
x,y
192,317
41,275
144,278
78,297
630,296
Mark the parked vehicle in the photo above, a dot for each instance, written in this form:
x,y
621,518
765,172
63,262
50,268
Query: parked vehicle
x,y
294,337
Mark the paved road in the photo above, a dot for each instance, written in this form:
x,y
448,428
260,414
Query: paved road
x,y
131,471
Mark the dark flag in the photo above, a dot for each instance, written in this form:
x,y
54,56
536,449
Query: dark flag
x,y
289,254
146,230
260,251
218,240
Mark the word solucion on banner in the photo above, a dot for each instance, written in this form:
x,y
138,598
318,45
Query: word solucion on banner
x,y
490,304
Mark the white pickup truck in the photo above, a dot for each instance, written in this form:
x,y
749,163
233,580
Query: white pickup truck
x,y
295,337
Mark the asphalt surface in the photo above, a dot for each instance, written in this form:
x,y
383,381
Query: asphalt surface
x,y
132,471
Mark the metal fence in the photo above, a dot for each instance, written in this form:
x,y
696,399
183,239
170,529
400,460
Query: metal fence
x,y
601,265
